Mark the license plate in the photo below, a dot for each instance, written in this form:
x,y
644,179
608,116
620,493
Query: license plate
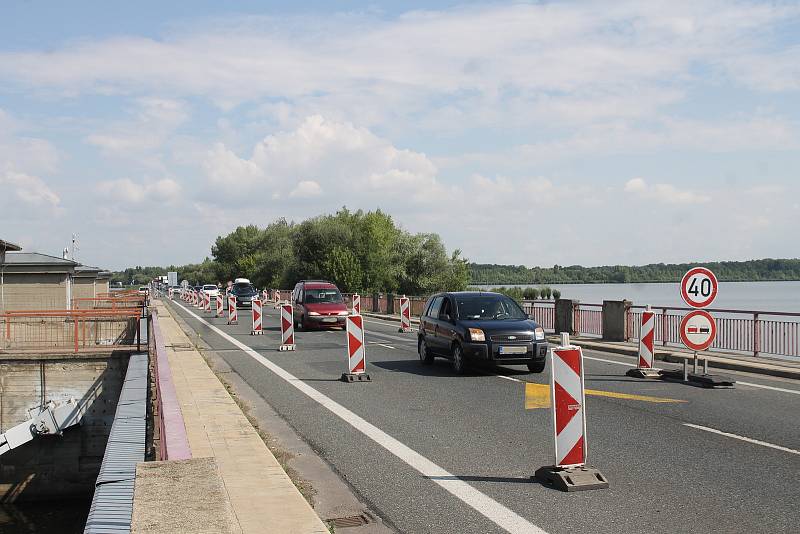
x,y
513,350
329,320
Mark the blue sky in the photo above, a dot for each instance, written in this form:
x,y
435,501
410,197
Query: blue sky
x,y
525,133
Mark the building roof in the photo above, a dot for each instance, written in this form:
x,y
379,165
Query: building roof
x,y
87,271
6,246
35,258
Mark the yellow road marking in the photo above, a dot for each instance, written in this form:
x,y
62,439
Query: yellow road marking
x,y
538,396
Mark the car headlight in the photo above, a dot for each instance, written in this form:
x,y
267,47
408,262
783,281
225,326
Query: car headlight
x,y
344,313
476,334
539,333
313,313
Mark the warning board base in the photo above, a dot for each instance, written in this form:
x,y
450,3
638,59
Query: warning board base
x,y
702,380
256,332
644,373
404,330
285,347
571,478
359,377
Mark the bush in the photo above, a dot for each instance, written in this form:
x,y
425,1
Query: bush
x,y
530,293
556,294
546,292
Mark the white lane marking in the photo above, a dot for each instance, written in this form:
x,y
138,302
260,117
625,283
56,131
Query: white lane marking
x,y
388,323
742,438
607,361
509,378
380,345
480,502
389,336
773,388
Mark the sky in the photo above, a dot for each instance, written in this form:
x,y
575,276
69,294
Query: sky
x,y
541,133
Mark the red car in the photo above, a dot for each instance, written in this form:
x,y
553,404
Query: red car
x,y
318,304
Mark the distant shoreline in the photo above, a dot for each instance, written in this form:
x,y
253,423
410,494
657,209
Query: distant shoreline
x,y
542,284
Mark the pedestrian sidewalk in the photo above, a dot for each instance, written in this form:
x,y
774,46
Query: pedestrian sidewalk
x,y
719,360
261,494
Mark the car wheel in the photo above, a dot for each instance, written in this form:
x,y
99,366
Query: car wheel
x,y
299,325
458,360
425,355
536,367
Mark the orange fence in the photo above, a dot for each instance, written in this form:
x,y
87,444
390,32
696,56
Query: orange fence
x,y
75,330
113,303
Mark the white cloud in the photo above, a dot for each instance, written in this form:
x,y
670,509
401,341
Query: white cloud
x,y
348,162
152,121
306,189
665,192
29,189
577,61
127,192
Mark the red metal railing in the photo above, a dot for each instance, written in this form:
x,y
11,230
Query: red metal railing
x,y
76,330
737,330
113,303
173,442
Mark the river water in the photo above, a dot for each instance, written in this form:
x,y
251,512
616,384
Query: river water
x,y
758,296
50,517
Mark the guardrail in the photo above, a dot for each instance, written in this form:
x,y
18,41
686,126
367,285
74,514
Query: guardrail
x,y
742,331
75,330
173,443
747,331
112,303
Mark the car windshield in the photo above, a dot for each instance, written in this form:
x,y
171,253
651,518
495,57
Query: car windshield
x,y
243,289
316,296
210,287
489,307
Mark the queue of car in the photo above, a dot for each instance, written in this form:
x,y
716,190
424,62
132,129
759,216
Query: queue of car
x,y
462,327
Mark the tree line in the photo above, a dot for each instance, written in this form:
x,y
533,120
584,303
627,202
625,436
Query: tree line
x,y
726,271
358,251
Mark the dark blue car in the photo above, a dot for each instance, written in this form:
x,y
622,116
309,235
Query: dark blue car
x,y
481,326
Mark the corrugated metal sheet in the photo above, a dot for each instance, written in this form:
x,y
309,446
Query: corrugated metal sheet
x,y
112,505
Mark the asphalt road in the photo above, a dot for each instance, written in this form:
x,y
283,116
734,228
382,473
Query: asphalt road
x,y
463,448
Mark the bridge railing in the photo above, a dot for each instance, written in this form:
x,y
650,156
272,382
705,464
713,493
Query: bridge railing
x,y
746,331
172,442
72,330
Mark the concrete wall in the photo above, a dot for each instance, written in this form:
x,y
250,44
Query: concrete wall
x,y
564,316
83,287
58,466
34,291
614,323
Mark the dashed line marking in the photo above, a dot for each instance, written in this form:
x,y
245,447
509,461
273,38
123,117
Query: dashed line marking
x,y
742,438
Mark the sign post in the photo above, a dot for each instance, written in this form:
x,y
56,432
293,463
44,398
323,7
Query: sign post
x,y
698,328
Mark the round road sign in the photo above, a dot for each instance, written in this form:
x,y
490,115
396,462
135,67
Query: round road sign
x,y
698,330
699,287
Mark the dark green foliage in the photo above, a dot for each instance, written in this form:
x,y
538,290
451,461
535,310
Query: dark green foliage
x,y
530,293
358,251
726,271
556,294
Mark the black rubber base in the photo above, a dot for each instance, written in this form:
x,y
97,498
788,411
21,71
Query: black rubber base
x,y
706,381
571,478
360,377
644,373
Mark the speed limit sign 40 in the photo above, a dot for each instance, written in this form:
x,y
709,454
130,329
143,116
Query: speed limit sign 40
x,y
699,287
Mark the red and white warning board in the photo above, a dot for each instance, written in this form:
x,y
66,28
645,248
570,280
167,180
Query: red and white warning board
x,y
698,330
287,328
232,315
256,330
405,315
356,304
646,337
356,355
569,412
220,306
699,287
207,302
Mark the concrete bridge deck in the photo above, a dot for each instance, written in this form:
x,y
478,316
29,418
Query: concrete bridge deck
x,y
261,496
